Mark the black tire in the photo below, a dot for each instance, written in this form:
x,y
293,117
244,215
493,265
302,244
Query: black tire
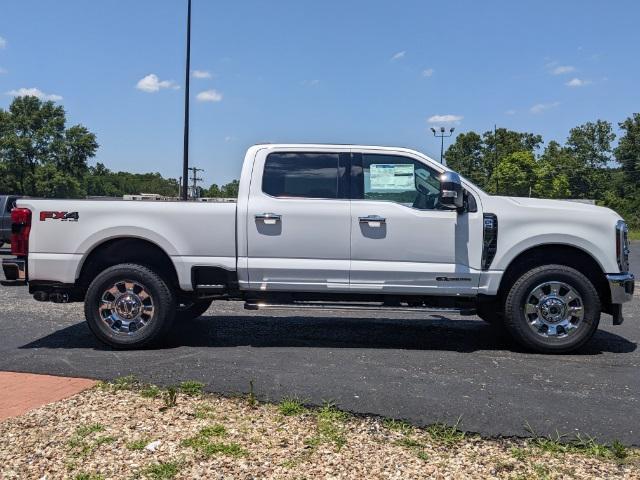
x,y
518,324
491,312
157,325
192,310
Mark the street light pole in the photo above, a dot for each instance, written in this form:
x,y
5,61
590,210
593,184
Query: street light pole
x,y
441,135
185,158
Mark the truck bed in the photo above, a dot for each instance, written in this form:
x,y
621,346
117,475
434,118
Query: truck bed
x,y
191,233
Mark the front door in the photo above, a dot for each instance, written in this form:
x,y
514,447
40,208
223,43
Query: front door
x,y
401,240
298,223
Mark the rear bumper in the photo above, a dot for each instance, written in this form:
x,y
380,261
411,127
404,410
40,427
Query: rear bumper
x,y
621,286
15,271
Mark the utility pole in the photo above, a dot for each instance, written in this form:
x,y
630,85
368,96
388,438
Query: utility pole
x,y
442,136
495,162
195,179
185,159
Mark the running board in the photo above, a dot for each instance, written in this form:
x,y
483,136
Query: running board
x,y
354,307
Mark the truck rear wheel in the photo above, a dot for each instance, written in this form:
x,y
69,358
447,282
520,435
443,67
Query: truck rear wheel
x,y
129,306
552,309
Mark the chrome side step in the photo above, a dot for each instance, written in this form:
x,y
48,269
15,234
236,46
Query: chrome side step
x,y
362,307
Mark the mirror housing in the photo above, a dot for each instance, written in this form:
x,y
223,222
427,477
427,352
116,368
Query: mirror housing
x,y
451,193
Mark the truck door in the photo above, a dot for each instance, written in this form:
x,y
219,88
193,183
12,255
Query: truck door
x,y
298,222
401,240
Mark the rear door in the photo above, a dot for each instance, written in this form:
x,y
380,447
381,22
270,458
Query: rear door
x,y
299,221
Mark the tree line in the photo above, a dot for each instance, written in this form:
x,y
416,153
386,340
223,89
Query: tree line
x,y
40,156
585,166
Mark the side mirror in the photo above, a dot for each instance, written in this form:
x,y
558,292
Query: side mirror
x,y
451,195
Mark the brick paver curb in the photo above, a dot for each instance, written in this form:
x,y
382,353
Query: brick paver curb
x,y
21,392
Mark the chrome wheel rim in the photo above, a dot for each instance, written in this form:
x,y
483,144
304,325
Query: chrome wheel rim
x,y
554,309
126,308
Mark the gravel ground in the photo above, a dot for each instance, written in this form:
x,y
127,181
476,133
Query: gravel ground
x,y
102,433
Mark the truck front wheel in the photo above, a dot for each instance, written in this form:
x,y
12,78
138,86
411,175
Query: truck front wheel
x,y
552,309
129,306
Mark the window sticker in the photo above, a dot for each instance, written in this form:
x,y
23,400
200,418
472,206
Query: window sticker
x,y
391,177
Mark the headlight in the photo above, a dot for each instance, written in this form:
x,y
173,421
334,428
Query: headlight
x,y
622,246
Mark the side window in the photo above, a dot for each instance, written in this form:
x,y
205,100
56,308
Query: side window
x,y
400,179
309,175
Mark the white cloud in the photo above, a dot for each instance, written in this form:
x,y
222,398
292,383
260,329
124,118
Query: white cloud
x,y
427,72
229,138
34,92
399,55
311,83
151,84
201,74
541,107
209,96
563,69
577,82
3,43
510,112
445,118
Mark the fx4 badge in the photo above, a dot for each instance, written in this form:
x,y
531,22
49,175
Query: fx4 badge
x,y
62,216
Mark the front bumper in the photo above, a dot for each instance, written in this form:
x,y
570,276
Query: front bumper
x,y
15,271
621,286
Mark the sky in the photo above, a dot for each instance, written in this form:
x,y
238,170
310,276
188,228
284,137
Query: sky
x,y
351,71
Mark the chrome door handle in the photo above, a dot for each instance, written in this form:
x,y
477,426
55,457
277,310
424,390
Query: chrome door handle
x,y
373,219
269,218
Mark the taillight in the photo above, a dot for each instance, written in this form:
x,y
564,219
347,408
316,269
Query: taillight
x,y
20,228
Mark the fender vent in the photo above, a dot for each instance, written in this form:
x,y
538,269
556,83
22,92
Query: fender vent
x,y
489,239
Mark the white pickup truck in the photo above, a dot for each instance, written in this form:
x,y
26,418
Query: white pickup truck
x,y
330,226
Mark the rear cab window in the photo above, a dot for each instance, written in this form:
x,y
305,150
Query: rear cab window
x,y
305,175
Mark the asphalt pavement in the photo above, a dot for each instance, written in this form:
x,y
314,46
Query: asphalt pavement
x,y
421,368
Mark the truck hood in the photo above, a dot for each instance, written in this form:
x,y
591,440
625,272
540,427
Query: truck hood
x,y
562,207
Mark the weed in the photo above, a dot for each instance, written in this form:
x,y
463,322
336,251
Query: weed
x,y
442,433
103,441
203,411
170,397
88,476
86,430
585,445
329,422
214,431
398,426
415,446
192,388
138,444
541,471
162,470
203,444
251,398
150,391
127,382
519,454
291,406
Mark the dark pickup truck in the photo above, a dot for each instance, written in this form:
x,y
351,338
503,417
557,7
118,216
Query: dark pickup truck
x,y
7,202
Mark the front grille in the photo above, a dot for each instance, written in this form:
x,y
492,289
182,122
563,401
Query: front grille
x,y
489,239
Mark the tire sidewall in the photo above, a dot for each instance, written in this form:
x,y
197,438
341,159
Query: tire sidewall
x,y
164,305
519,324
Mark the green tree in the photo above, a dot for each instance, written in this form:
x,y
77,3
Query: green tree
x,y
628,150
33,134
516,173
53,183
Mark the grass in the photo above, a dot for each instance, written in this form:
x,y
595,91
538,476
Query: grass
x,y
82,445
138,444
445,434
150,391
192,388
203,443
162,470
634,234
170,397
399,426
291,406
329,427
585,445
88,476
85,430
